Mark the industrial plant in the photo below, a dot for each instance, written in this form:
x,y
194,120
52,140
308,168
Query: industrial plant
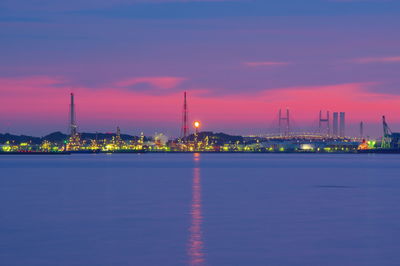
x,y
329,137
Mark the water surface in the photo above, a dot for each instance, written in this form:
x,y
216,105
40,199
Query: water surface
x,y
200,209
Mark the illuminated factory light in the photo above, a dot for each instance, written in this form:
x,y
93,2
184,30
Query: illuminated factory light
x,y
306,147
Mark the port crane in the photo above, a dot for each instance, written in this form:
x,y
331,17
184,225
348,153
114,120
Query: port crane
x,y
390,140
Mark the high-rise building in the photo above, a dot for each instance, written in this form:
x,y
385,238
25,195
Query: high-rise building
x,y
335,124
342,128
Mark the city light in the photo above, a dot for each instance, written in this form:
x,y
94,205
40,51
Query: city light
x,y
286,140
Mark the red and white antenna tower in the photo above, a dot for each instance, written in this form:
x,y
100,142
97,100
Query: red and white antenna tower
x,y
185,119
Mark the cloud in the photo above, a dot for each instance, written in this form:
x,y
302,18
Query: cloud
x,y
28,102
265,63
368,60
164,82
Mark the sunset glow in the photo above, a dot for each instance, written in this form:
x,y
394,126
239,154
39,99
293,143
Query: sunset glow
x,y
128,66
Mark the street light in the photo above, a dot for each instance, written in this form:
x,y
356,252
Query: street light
x,y
196,126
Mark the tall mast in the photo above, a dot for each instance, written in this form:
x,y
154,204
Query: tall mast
x,y
185,119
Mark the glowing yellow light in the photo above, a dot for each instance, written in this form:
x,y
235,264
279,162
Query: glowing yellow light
x,y
196,124
306,147
6,148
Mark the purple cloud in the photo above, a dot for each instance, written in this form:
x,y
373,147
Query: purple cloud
x,y
367,60
265,63
157,82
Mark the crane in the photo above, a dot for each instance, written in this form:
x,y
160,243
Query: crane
x,y
390,140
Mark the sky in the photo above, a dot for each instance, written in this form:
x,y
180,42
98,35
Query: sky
x,y
129,62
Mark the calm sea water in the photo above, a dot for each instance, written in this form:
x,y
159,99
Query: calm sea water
x,y
200,209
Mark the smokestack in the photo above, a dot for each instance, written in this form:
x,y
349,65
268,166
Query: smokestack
x,y
73,126
335,124
342,128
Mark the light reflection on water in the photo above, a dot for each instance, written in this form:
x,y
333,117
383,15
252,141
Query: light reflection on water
x,y
195,243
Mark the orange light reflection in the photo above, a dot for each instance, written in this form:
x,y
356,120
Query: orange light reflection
x,y
196,244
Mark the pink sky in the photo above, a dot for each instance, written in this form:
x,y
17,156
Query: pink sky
x,y
43,100
129,62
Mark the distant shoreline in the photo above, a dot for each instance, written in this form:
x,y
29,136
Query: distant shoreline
x,y
380,151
